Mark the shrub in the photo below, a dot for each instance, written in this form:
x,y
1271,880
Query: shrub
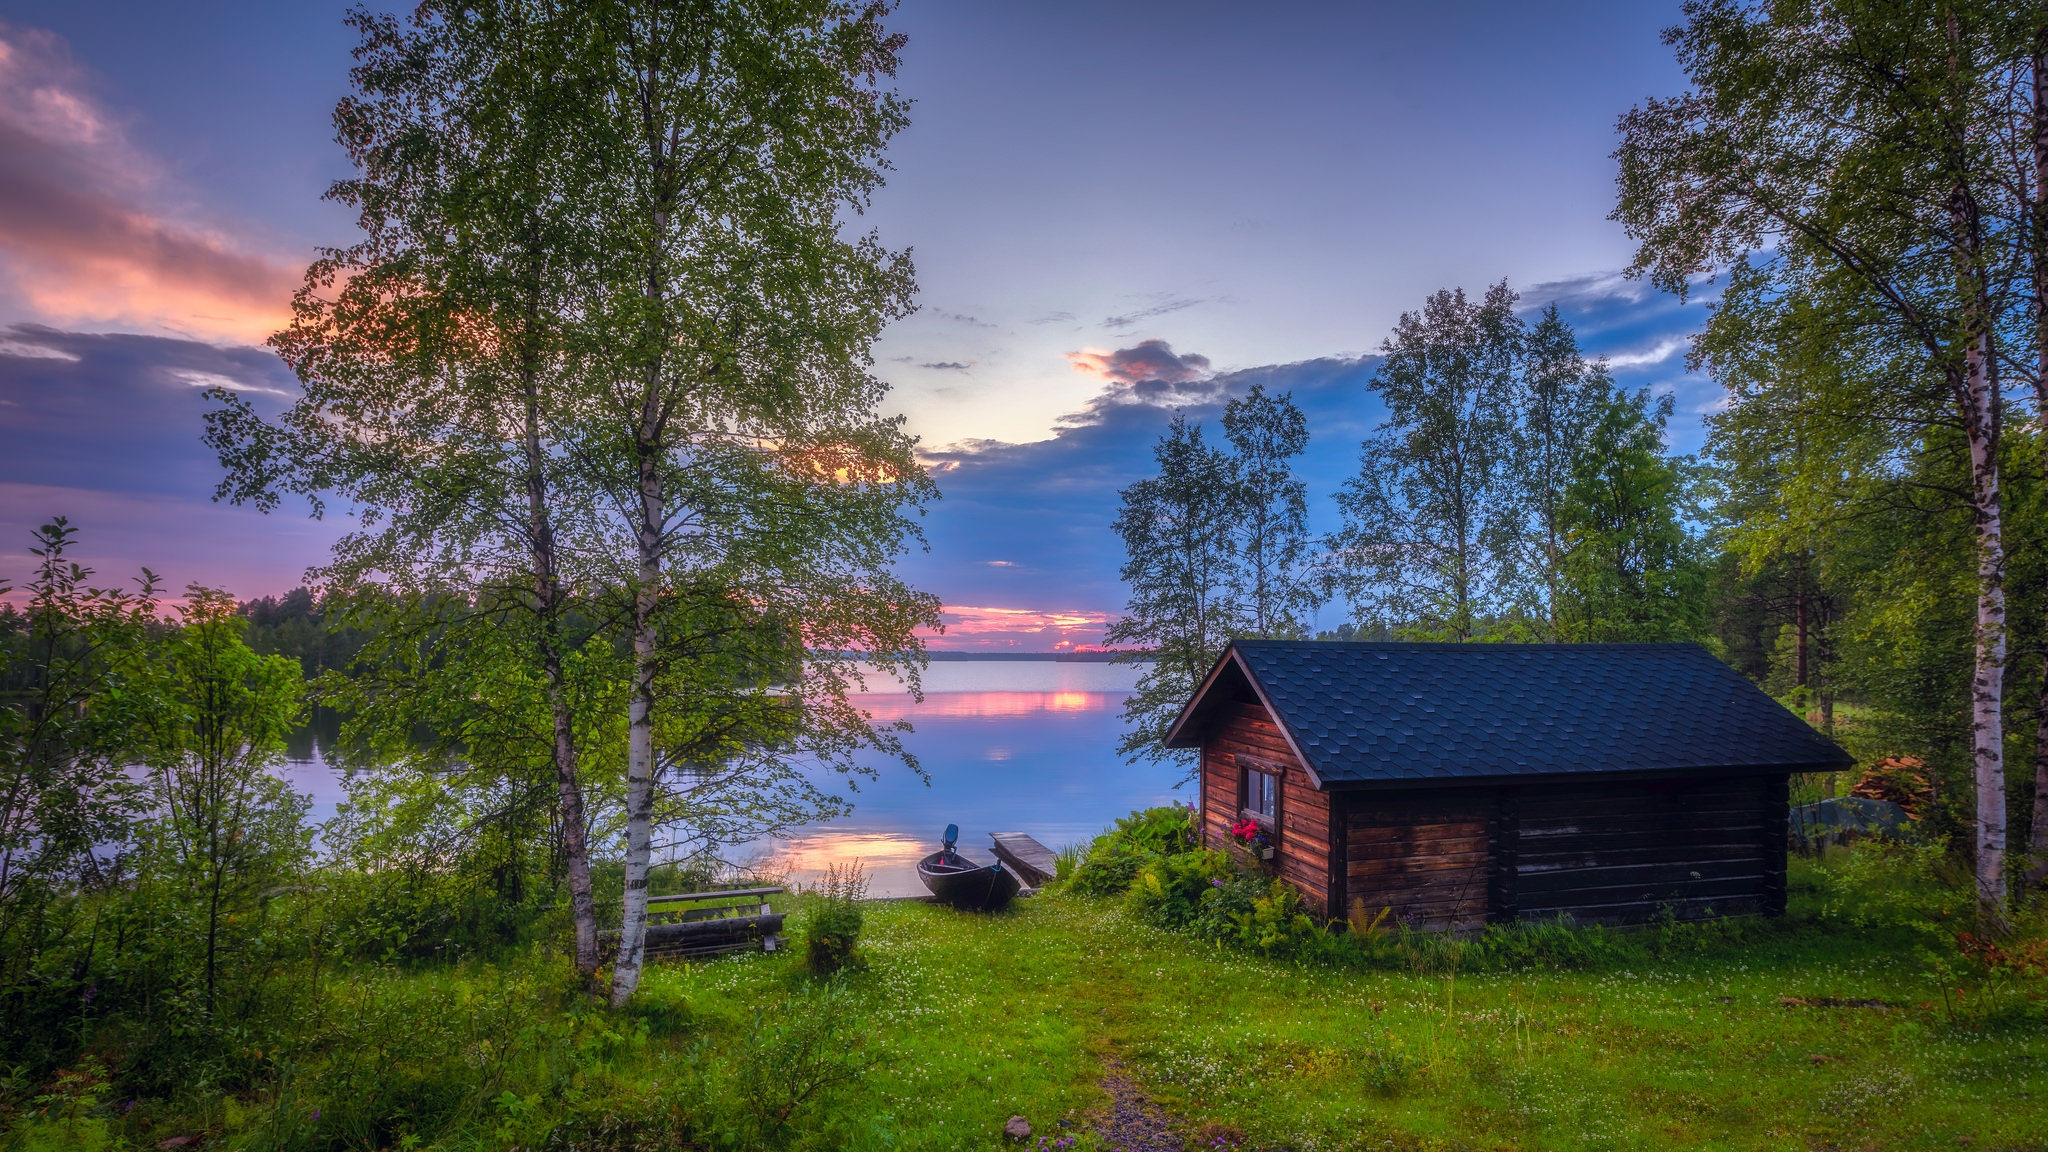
x,y
1279,923
833,920
1169,891
1115,858
1109,867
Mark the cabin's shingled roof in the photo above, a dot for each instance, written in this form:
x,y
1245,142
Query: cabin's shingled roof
x,y
1362,712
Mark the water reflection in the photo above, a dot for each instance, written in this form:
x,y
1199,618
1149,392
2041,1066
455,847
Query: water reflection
x,y
1025,746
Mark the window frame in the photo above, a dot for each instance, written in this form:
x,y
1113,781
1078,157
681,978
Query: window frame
x,y
1269,819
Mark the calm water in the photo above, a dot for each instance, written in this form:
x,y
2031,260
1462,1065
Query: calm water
x,y
1010,746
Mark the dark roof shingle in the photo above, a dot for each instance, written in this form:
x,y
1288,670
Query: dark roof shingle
x,y
1416,712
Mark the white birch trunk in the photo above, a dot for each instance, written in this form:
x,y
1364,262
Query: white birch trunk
x,y
640,729
1987,721
547,592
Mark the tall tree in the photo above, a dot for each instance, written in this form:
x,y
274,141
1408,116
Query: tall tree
x,y
1432,519
1633,571
430,354
1266,433
1180,563
1860,147
1562,398
2037,225
726,430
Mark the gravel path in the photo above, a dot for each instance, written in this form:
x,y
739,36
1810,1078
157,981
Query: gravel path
x,y
1134,1124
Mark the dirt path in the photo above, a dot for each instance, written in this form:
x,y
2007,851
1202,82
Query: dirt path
x,y
1134,1123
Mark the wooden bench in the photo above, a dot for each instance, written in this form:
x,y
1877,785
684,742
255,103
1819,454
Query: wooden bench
x,y
729,920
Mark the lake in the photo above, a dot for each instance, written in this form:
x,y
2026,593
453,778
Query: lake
x,y
1010,746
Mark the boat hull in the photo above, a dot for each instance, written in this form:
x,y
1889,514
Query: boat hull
x,y
970,887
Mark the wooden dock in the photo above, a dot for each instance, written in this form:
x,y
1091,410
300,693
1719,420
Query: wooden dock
x,y
1033,862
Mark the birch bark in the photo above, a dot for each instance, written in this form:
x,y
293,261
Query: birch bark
x,y
2037,838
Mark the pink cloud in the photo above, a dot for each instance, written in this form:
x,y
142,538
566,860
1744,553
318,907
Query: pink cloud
x,y
1021,629
84,233
1149,360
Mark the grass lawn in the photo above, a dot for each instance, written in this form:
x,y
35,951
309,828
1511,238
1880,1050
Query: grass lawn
x,y
1796,1034
975,1018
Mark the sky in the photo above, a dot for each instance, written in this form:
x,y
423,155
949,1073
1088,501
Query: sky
x,y
1116,210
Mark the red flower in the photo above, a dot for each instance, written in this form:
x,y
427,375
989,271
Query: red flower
x,y
1246,831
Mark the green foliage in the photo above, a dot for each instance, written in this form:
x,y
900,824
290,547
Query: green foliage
x,y
1114,859
1179,561
1279,923
224,828
1633,572
1215,547
1174,891
1912,884
75,689
1432,522
832,919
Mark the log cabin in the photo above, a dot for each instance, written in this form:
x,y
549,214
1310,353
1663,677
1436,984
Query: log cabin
x,y
1465,784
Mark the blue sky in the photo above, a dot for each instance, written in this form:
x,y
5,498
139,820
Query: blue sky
x,y
1115,209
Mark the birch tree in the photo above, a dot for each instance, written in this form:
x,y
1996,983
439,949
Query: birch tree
x,y
2037,225
431,362
1856,149
1181,565
1562,398
1633,572
1266,433
1432,520
726,429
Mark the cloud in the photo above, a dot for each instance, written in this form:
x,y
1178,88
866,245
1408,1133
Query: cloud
x,y
948,365
1160,309
963,318
1150,375
1150,360
1656,354
1052,501
1027,629
1055,318
86,235
105,429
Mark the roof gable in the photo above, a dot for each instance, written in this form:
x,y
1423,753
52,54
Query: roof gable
x,y
1362,712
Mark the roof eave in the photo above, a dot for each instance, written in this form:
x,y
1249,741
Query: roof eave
x,y
1177,736
1180,734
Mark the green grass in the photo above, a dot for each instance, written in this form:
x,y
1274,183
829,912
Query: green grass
x,y
988,1016
959,1021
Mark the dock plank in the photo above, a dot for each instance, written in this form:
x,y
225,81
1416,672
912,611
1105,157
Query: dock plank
x,y
1033,861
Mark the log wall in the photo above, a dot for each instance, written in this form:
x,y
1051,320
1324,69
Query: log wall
x,y
1425,855
1244,737
1611,852
1621,852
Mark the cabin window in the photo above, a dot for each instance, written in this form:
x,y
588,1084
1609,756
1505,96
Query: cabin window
x,y
1259,790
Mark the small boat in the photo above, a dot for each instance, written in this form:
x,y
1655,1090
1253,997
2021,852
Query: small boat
x,y
954,879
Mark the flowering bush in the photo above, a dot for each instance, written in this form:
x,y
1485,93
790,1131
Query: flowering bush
x,y
1248,831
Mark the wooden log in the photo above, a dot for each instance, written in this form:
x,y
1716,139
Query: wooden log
x,y
703,936
1503,837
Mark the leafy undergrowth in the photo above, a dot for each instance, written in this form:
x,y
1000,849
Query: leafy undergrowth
x,y
1811,1035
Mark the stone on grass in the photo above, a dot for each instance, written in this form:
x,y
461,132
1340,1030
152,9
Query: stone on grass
x,y
1018,1129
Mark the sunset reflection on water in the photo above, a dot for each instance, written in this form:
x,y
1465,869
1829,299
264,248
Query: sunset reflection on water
x,y
1024,746
1010,747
